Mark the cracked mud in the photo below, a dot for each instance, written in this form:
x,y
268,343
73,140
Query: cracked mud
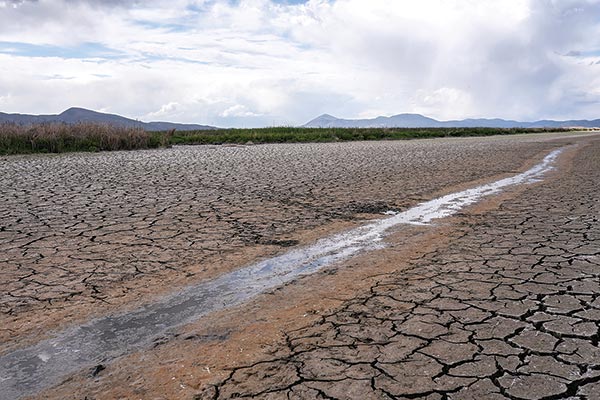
x,y
31,369
509,309
81,234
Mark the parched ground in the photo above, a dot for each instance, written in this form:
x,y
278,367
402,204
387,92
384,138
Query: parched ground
x,y
83,235
499,302
508,308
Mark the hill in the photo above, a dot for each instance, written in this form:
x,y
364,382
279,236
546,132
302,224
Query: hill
x,y
74,115
420,121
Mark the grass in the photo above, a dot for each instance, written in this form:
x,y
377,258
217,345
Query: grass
x,y
60,138
290,134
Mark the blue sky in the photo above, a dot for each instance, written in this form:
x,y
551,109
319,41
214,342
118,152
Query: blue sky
x,y
248,63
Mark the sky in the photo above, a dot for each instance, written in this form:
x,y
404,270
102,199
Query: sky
x,y
251,63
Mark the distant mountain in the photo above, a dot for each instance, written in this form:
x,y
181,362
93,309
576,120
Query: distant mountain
x,y
75,115
420,121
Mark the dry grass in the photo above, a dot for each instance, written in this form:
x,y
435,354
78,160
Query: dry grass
x,y
60,138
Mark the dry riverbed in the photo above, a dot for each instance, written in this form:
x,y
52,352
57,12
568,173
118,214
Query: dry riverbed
x,y
85,235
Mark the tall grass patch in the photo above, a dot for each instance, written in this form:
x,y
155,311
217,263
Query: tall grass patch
x,y
61,138
291,134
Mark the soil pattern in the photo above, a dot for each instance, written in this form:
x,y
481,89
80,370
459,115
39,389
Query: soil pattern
x,y
82,235
509,309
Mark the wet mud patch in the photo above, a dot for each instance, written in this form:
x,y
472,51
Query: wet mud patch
x,y
280,242
378,207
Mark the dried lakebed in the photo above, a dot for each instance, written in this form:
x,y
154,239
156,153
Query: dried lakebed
x,y
505,306
84,234
28,370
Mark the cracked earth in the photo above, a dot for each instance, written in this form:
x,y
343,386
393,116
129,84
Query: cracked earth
x,y
509,309
501,302
81,234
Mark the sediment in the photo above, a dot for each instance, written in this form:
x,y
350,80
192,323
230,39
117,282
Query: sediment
x,y
500,302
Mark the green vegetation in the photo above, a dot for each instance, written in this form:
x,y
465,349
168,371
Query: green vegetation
x,y
60,138
291,135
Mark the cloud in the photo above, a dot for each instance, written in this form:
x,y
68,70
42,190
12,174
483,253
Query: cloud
x,y
430,102
238,110
261,62
165,110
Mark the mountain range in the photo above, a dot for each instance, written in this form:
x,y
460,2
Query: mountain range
x,y
74,115
420,121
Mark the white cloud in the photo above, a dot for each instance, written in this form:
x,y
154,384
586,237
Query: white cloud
x,y
256,62
446,103
238,110
166,110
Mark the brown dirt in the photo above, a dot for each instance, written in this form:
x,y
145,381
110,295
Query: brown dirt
x,y
82,235
354,330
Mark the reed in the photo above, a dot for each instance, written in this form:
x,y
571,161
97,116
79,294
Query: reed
x,y
291,134
60,138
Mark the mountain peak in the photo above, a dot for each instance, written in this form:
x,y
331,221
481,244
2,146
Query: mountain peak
x,y
400,120
326,116
323,121
411,120
77,110
75,115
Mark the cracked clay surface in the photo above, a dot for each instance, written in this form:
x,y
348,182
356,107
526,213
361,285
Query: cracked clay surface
x,y
509,308
84,234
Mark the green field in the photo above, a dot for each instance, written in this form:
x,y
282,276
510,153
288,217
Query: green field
x,y
293,135
60,138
